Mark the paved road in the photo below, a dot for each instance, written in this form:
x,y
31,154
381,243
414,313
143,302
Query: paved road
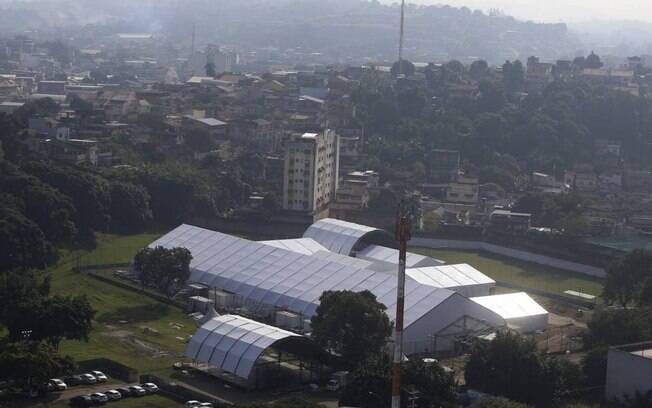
x,y
85,390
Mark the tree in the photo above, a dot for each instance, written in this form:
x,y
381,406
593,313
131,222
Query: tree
x,y
52,319
479,70
271,203
513,76
198,140
129,206
83,107
386,201
370,384
23,244
511,366
594,366
497,402
405,68
165,269
436,386
593,61
616,327
210,70
627,276
340,318
31,364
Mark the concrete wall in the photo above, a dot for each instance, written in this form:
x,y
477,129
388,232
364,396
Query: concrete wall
x,y
435,243
627,374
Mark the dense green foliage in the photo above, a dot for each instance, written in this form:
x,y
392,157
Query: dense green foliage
x,y
284,403
31,364
162,268
370,385
629,279
500,134
340,319
497,402
519,371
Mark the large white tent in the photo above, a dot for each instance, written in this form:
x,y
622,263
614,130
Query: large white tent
x,y
267,277
519,310
234,343
341,236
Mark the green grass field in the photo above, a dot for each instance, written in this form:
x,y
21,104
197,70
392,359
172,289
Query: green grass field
x,y
149,401
525,274
122,315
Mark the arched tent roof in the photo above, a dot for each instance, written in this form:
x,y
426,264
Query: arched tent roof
x,y
345,237
234,343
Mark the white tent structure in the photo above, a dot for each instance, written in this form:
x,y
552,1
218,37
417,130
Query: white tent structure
x,y
461,278
342,236
519,310
306,246
266,278
233,343
378,253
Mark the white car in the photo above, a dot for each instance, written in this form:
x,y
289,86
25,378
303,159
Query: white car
x,y
113,395
150,387
192,404
137,390
58,384
88,378
99,376
99,398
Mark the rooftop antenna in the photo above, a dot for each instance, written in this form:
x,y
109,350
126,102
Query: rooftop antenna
x,y
402,236
400,40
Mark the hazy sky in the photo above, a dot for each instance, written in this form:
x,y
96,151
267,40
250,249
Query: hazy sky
x,y
561,10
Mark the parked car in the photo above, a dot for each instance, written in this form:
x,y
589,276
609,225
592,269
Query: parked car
x,y
88,379
81,401
124,392
192,404
150,387
58,385
73,380
99,376
333,385
205,405
137,391
99,398
113,395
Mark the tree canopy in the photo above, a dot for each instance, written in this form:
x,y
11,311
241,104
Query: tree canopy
x,y
162,268
340,318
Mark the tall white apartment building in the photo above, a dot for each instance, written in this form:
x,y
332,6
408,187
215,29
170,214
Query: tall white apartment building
x,y
311,171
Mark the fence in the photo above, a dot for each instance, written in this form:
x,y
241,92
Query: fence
x,y
436,243
181,392
110,367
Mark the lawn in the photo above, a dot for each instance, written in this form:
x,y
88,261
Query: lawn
x,y
124,318
153,401
149,401
521,273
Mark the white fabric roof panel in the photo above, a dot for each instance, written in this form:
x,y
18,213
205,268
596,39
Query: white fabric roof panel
x,y
450,276
337,235
233,343
280,278
390,255
306,246
519,310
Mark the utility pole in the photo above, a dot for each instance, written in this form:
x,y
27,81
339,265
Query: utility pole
x,y
402,236
400,40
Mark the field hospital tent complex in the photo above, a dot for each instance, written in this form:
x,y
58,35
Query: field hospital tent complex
x,y
291,275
